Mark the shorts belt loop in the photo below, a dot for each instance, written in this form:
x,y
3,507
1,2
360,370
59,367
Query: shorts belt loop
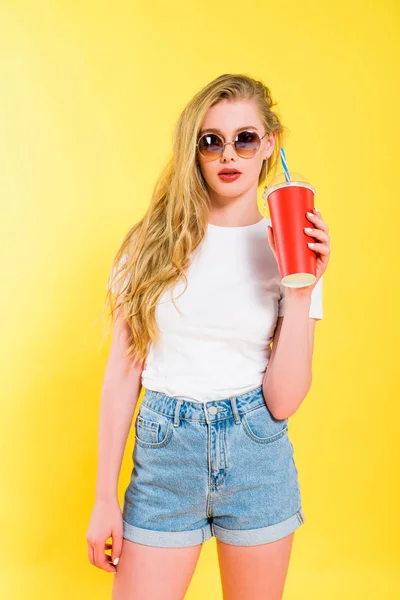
x,y
176,413
206,417
236,415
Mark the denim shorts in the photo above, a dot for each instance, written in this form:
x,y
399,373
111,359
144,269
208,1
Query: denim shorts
x,y
222,468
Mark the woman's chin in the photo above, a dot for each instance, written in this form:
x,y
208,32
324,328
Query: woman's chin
x,y
233,188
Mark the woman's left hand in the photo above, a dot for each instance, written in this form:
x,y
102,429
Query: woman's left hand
x,y
319,230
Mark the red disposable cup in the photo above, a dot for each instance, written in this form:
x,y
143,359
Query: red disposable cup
x,y
288,204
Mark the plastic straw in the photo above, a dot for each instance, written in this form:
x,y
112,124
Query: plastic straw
x,y
284,164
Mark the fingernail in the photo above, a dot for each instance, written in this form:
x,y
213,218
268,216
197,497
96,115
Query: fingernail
x,y
308,229
116,561
310,214
316,209
310,244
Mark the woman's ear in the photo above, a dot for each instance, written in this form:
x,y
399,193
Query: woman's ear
x,y
269,146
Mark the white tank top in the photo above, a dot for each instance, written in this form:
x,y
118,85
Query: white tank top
x,y
219,346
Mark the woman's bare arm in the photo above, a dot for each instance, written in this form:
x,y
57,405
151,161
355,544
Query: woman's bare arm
x,y
120,393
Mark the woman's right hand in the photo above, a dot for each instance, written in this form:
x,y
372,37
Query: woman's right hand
x,y
105,522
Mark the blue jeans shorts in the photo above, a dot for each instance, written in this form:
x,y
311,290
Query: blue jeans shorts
x,y
224,468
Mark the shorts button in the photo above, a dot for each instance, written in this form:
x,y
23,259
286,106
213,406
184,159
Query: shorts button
x,y
213,410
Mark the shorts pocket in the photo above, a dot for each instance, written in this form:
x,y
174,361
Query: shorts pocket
x,y
152,429
262,427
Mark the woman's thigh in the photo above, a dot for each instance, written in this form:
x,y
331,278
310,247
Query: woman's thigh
x,y
259,571
145,572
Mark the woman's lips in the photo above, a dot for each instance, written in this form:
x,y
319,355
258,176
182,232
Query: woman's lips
x,y
229,176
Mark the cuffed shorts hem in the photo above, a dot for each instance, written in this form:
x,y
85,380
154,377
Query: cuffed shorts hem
x,y
237,537
263,535
166,539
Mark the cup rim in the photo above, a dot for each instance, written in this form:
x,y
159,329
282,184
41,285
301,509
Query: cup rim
x,y
269,191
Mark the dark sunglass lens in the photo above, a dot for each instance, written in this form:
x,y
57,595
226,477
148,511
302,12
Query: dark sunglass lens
x,y
247,143
210,145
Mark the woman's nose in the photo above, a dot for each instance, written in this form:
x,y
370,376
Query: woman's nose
x,y
229,152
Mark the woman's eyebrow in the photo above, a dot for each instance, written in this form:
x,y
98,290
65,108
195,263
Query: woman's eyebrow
x,y
214,130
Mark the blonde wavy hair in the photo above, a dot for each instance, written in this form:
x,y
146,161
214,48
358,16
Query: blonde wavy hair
x,y
155,252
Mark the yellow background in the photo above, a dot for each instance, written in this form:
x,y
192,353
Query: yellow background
x,y
89,93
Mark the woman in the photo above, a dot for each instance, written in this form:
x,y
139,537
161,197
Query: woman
x,y
196,300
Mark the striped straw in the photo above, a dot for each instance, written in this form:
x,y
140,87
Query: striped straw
x,y
284,164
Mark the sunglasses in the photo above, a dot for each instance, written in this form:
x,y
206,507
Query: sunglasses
x,y
246,144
